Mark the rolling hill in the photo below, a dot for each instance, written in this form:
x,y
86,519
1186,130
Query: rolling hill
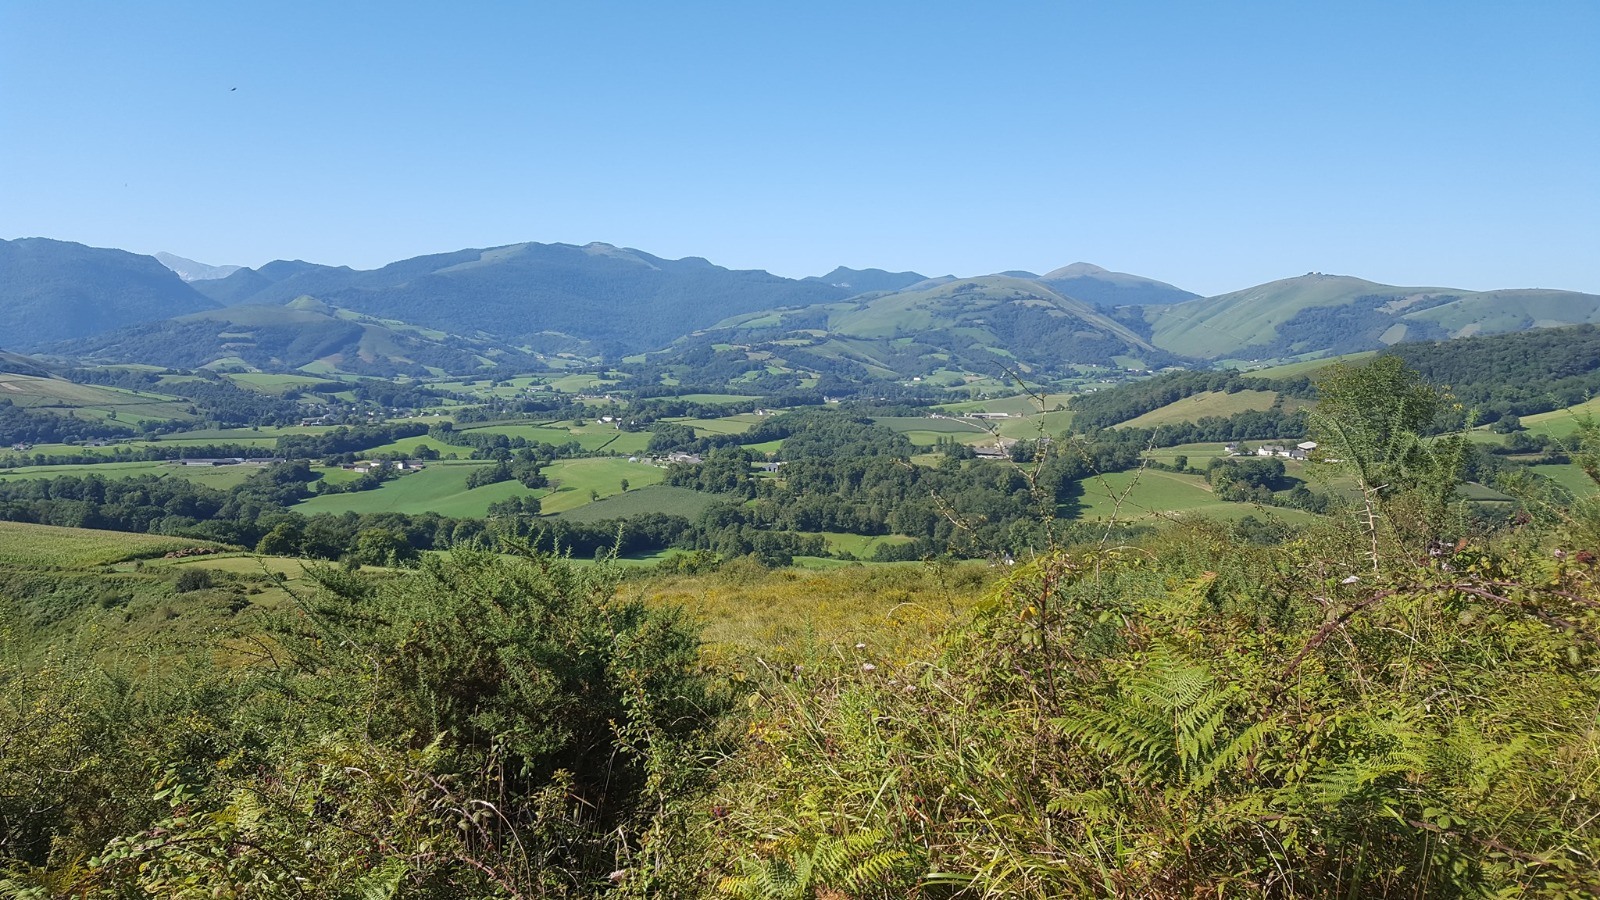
x,y
977,325
57,290
305,334
1318,314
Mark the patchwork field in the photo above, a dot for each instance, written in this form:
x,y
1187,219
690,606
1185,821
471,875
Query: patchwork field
x,y
91,401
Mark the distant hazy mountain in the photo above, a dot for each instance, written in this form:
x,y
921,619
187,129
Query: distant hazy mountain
x,y
1321,314
252,285
304,334
866,281
618,300
189,270
1107,289
56,290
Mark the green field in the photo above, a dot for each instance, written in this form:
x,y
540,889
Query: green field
x,y
1202,405
1569,476
1561,423
654,498
440,488
91,401
273,383
219,477
46,546
1020,404
926,432
1152,494
573,479
592,436
735,424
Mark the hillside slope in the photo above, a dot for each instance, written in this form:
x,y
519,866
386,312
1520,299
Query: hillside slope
x,y
305,334
1330,314
978,325
58,290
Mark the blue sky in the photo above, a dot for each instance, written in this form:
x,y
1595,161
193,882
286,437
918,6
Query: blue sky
x,y
1213,145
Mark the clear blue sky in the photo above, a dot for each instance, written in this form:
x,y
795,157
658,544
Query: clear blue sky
x,y
1213,145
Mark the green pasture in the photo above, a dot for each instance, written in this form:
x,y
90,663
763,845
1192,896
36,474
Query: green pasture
x,y
1052,424
572,479
1561,423
860,546
219,477
440,488
735,424
1152,494
273,383
655,498
1019,404
1205,404
1199,454
1569,476
47,546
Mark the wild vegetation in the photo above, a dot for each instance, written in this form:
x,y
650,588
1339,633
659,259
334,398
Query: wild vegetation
x,y
1395,699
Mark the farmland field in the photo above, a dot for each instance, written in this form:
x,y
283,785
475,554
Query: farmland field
x,y
1202,405
60,395
1157,494
573,479
219,477
440,488
655,498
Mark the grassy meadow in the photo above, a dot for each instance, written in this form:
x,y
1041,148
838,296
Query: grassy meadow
x,y
50,547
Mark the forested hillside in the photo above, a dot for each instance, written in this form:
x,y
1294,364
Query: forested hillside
x,y
55,290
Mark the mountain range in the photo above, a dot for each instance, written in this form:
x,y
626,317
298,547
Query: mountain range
x,y
516,305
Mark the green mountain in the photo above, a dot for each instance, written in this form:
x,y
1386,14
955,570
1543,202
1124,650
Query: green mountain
x,y
973,325
304,335
1107,289
57,290
616,300
1318,314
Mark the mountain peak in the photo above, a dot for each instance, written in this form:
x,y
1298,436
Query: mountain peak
x,y
1079,270
189,270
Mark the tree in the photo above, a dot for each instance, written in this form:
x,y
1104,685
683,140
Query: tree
x,y
383,547
1369,423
